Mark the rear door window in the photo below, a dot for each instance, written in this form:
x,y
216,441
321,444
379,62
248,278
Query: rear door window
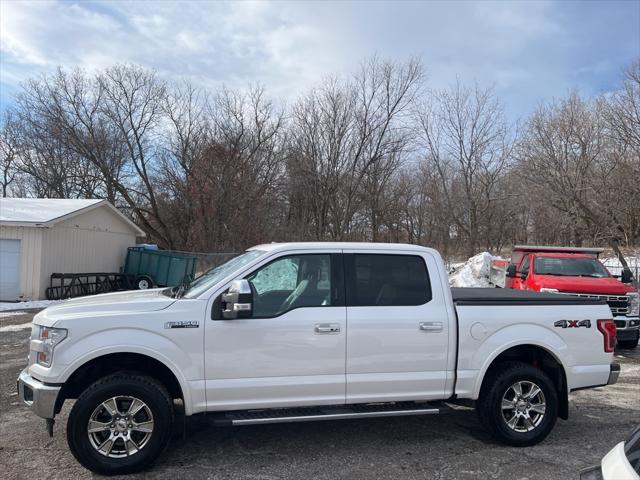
x,y
386,280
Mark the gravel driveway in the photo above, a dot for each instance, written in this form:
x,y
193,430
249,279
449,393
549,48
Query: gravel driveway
x,y
451,446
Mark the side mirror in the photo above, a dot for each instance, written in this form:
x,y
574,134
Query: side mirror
x,y
237,302
627,276
511,271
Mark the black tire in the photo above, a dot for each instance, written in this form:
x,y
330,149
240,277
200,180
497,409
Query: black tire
x,y
490,410
628,344
144,282
147,390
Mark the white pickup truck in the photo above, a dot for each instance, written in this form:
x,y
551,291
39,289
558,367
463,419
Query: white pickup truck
x,y
310,331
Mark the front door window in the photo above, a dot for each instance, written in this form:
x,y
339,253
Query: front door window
x,y
291,282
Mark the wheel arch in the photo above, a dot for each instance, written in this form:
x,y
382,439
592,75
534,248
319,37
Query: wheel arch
x,y
536,355
106,363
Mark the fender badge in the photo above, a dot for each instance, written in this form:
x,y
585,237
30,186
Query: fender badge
x,y
573,323
182,324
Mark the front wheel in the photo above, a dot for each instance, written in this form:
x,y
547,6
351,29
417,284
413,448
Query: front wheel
x,y
629,344
120,424
519,405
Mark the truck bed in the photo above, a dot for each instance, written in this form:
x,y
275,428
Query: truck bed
x,y
489,319
504,296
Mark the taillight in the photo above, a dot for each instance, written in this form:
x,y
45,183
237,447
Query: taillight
x,y
608,329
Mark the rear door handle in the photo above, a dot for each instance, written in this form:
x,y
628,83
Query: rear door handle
x,y
327,328
431,326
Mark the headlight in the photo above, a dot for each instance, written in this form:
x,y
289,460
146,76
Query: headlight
x,y
634,304
549,290
48,338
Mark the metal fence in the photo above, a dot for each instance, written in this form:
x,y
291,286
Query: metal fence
x,y
614,266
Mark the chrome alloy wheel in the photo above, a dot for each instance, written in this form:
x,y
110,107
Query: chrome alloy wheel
x,y
120,427
523,406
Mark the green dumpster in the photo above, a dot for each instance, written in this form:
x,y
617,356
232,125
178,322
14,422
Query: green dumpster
x,y
163,268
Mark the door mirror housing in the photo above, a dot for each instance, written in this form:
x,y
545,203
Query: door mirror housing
x,y
237,302
511,271
627,276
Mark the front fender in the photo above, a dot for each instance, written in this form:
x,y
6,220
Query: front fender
x,y
126,340
513,336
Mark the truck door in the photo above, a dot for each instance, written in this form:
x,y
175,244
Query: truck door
x,y
520,283
291,351
397,327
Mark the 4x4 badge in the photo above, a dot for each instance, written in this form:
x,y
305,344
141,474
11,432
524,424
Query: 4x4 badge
x,y
573,323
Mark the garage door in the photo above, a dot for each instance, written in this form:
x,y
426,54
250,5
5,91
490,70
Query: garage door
x,y
9,269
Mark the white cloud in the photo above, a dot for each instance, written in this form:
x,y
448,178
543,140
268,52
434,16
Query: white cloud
x,y
529,50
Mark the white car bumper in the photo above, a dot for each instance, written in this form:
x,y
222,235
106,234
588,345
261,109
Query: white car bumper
x,y
616,466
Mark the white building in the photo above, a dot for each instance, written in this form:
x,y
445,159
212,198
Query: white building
x,y
39,237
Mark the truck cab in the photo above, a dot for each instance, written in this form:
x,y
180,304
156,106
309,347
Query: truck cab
x,y
578,272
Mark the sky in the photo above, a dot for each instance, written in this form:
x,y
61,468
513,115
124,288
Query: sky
x,y
530,51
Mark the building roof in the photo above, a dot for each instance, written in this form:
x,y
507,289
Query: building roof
x,y
46,212
40,210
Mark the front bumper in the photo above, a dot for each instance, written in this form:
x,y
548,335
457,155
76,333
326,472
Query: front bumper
x,y
614,373
627,328
38,396
614,466
627,323
592,473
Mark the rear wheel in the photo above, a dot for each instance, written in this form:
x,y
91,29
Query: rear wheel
x,y
518,404
120,424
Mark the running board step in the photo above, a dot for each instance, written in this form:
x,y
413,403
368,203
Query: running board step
x,y
314,414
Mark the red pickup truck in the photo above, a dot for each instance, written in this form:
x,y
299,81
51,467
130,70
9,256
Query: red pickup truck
x,y
572,271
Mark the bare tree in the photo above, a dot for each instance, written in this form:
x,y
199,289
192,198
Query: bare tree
x,y
468,143
623,108
622,113
372,156
10,151
186,138
133,99
234,183
320,156
348,138
567,155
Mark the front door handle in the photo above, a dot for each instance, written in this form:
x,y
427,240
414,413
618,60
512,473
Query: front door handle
x,y
327,328
431,326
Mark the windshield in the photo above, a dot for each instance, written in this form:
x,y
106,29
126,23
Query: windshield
x,y
570,267
213,276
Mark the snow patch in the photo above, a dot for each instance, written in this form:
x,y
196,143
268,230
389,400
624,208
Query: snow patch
x,y
472,273
15,328
11,314
40,210
7,306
